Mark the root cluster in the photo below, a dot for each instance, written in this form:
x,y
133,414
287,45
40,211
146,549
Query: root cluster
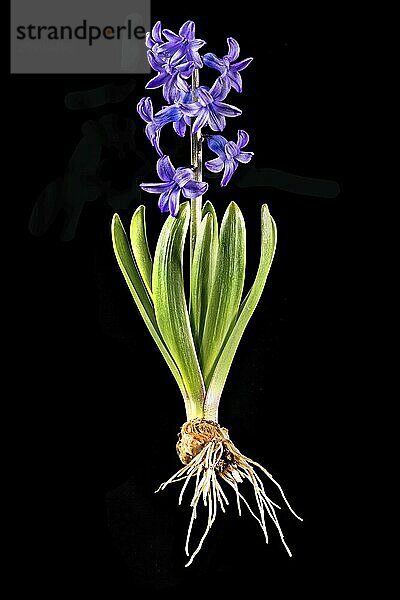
x,y
210,457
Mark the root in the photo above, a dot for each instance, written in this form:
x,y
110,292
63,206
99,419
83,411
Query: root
x,y
210,456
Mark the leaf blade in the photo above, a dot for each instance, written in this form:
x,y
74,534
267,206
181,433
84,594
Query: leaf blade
x,y
140,247
227,287
140,295
268,245
202,275
170,306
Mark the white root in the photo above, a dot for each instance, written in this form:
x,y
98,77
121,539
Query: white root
x,y
204,469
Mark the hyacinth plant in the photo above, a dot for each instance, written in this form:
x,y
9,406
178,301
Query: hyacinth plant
x,y
199,338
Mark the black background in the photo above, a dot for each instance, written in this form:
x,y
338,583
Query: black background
x,y
98,411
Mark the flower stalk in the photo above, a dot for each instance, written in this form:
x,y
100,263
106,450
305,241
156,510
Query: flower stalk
x,y
197,165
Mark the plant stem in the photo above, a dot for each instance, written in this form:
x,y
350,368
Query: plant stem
x,y
197,164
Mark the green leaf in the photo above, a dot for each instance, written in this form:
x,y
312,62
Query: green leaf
x,y
268,244
140,246
140,294
170,306
202,274
227,288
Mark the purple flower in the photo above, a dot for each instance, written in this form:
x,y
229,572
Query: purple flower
x,y
229,71
168,114
229,154
154,40
183,46
209,109
174,181
169,75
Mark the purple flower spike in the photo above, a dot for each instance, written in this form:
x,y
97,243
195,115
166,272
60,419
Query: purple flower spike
x,y
173,182
209,109
229,155
227,67
183,46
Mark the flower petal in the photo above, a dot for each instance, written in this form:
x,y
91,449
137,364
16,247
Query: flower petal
x,y
155,61
197,44
219,90
200,120
156,32
163,201
173,201
194,57
216,121
187,30
165,169
171,36
166,115
158,81
192,109
227,109
233,49
215,165
194,189
182,176
214,62
242,138
180,127
204,96
157,144
242,64
155,188
230,168
217,144
145,109
235,80
245,157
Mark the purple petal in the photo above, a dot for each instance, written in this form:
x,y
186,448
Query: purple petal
x,y
197,44
171,36
180,127
182,176
194,57
166,115
245,157
220,89
242,64
156,32
233,49
242,138
231,150
217,144
230,168
145,109
165,170
150,43
215,120
185,69
158,81
203,95
163,201
172,48
187,30
171,90
173,201
201,119
192,109
194,189
155,61
155,188
227,109
235,79
151,132
214,62
157,144
215,165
